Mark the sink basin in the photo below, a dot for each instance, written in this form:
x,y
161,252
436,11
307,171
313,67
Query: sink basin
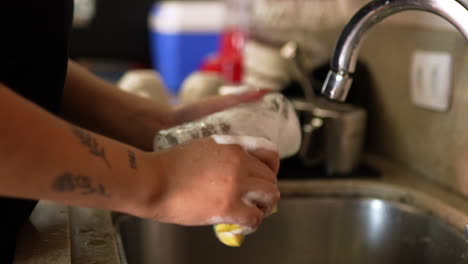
x,y
319,230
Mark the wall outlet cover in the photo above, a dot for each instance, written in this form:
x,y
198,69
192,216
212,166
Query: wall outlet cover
x,y
431,80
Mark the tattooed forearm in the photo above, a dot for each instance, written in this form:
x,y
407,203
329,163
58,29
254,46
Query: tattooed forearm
x,y
69,182
132,159
91,143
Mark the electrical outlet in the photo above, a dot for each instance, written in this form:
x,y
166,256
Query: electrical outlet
x,y
431,80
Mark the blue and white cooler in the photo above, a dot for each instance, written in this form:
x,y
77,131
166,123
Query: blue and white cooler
x,y
182,34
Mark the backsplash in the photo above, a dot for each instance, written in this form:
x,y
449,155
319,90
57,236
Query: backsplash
x,y
432,144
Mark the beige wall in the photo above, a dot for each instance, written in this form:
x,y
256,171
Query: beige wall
x,y
432,144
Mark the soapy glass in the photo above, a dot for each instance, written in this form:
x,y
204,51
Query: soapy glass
x,y
273,118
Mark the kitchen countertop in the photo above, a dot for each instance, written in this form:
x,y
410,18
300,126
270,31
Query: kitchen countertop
x,y
71,235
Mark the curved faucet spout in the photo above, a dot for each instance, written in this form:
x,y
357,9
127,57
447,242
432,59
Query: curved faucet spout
x,y
340,76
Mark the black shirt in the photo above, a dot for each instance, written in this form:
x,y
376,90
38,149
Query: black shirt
x,y
34,39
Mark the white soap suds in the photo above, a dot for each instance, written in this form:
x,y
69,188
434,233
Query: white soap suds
x,y
248,143
258,119
254,196
243,230
217,220
246,230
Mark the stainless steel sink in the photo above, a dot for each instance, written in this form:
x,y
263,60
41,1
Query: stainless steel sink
x,y
312,230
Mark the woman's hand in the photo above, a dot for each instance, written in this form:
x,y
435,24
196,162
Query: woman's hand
x,y
100,106
197,110
202,182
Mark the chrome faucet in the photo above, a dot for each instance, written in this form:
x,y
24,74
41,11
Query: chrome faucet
x,y
343,63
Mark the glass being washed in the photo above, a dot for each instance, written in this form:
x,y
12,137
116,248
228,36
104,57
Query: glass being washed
x,y
272,118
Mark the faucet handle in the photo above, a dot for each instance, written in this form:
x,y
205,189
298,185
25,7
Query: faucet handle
x,y
292,53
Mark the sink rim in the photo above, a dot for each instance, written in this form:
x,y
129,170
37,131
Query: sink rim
x,y
407,195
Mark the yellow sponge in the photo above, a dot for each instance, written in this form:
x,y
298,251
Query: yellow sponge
x,y
230,235
233,235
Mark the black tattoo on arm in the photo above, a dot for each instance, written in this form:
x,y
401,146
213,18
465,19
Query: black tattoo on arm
x,y
91,143
132,159
69,182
